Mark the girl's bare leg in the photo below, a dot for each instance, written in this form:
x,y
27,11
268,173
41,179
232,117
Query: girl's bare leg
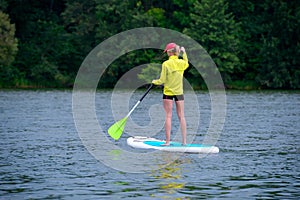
x,y
168,105
180,113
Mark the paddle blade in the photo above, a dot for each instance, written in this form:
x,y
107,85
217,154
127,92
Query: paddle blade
x,y
116,130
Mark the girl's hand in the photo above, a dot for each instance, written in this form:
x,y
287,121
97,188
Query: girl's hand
x,y
182,49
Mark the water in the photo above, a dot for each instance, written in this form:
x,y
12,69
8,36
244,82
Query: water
x,y
42,156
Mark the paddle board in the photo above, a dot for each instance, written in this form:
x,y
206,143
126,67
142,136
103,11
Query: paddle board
x,y
152,143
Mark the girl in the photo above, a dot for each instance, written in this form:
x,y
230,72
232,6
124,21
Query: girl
x,y
171,77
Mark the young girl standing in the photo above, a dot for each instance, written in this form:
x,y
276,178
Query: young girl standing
x,y
172,78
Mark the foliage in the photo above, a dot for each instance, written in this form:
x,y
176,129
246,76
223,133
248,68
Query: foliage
x,y
254,43
8,43
270,42
280,45
8,49
216,30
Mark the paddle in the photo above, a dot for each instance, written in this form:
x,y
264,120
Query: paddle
x,y
116,130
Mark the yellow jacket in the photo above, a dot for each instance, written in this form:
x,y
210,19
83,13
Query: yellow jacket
x,y
172,74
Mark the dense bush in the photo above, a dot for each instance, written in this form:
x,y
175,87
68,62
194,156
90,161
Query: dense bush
x,y
255,44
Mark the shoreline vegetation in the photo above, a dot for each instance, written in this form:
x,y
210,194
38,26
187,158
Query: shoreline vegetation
x,y
242,87
254,44
236,85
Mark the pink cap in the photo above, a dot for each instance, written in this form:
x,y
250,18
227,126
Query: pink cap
x,y
170,46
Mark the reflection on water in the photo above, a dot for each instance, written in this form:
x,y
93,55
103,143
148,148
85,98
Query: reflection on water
x,y
42,156
170,178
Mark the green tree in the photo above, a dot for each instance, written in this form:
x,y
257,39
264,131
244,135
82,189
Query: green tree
x,y
270,42
48,52
40,40
279,53
255,42
3,5
8,50
79,19
246,14
115,17
180,13
216,30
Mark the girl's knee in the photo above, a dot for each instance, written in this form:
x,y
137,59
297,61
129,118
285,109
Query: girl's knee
x,y
169,116
181,117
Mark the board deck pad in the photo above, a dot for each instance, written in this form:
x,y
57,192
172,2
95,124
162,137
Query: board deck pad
x,y
173,144
152,143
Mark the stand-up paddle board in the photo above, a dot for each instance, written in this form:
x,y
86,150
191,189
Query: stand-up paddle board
x,y
152,143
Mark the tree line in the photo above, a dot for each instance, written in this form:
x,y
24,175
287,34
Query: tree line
x,y
255,44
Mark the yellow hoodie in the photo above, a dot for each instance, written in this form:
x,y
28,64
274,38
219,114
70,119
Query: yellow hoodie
x,y
172,74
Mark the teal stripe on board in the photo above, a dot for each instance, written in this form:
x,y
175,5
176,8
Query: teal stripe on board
x,y
173,144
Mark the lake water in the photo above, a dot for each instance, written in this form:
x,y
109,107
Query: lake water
x,y
42,155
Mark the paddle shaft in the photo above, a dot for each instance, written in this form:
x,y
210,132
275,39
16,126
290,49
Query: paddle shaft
x,y
141,99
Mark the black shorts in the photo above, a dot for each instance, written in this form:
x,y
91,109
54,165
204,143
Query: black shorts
x,y
175,97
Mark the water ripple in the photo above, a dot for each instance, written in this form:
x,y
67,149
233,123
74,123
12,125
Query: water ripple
x,y
42,157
